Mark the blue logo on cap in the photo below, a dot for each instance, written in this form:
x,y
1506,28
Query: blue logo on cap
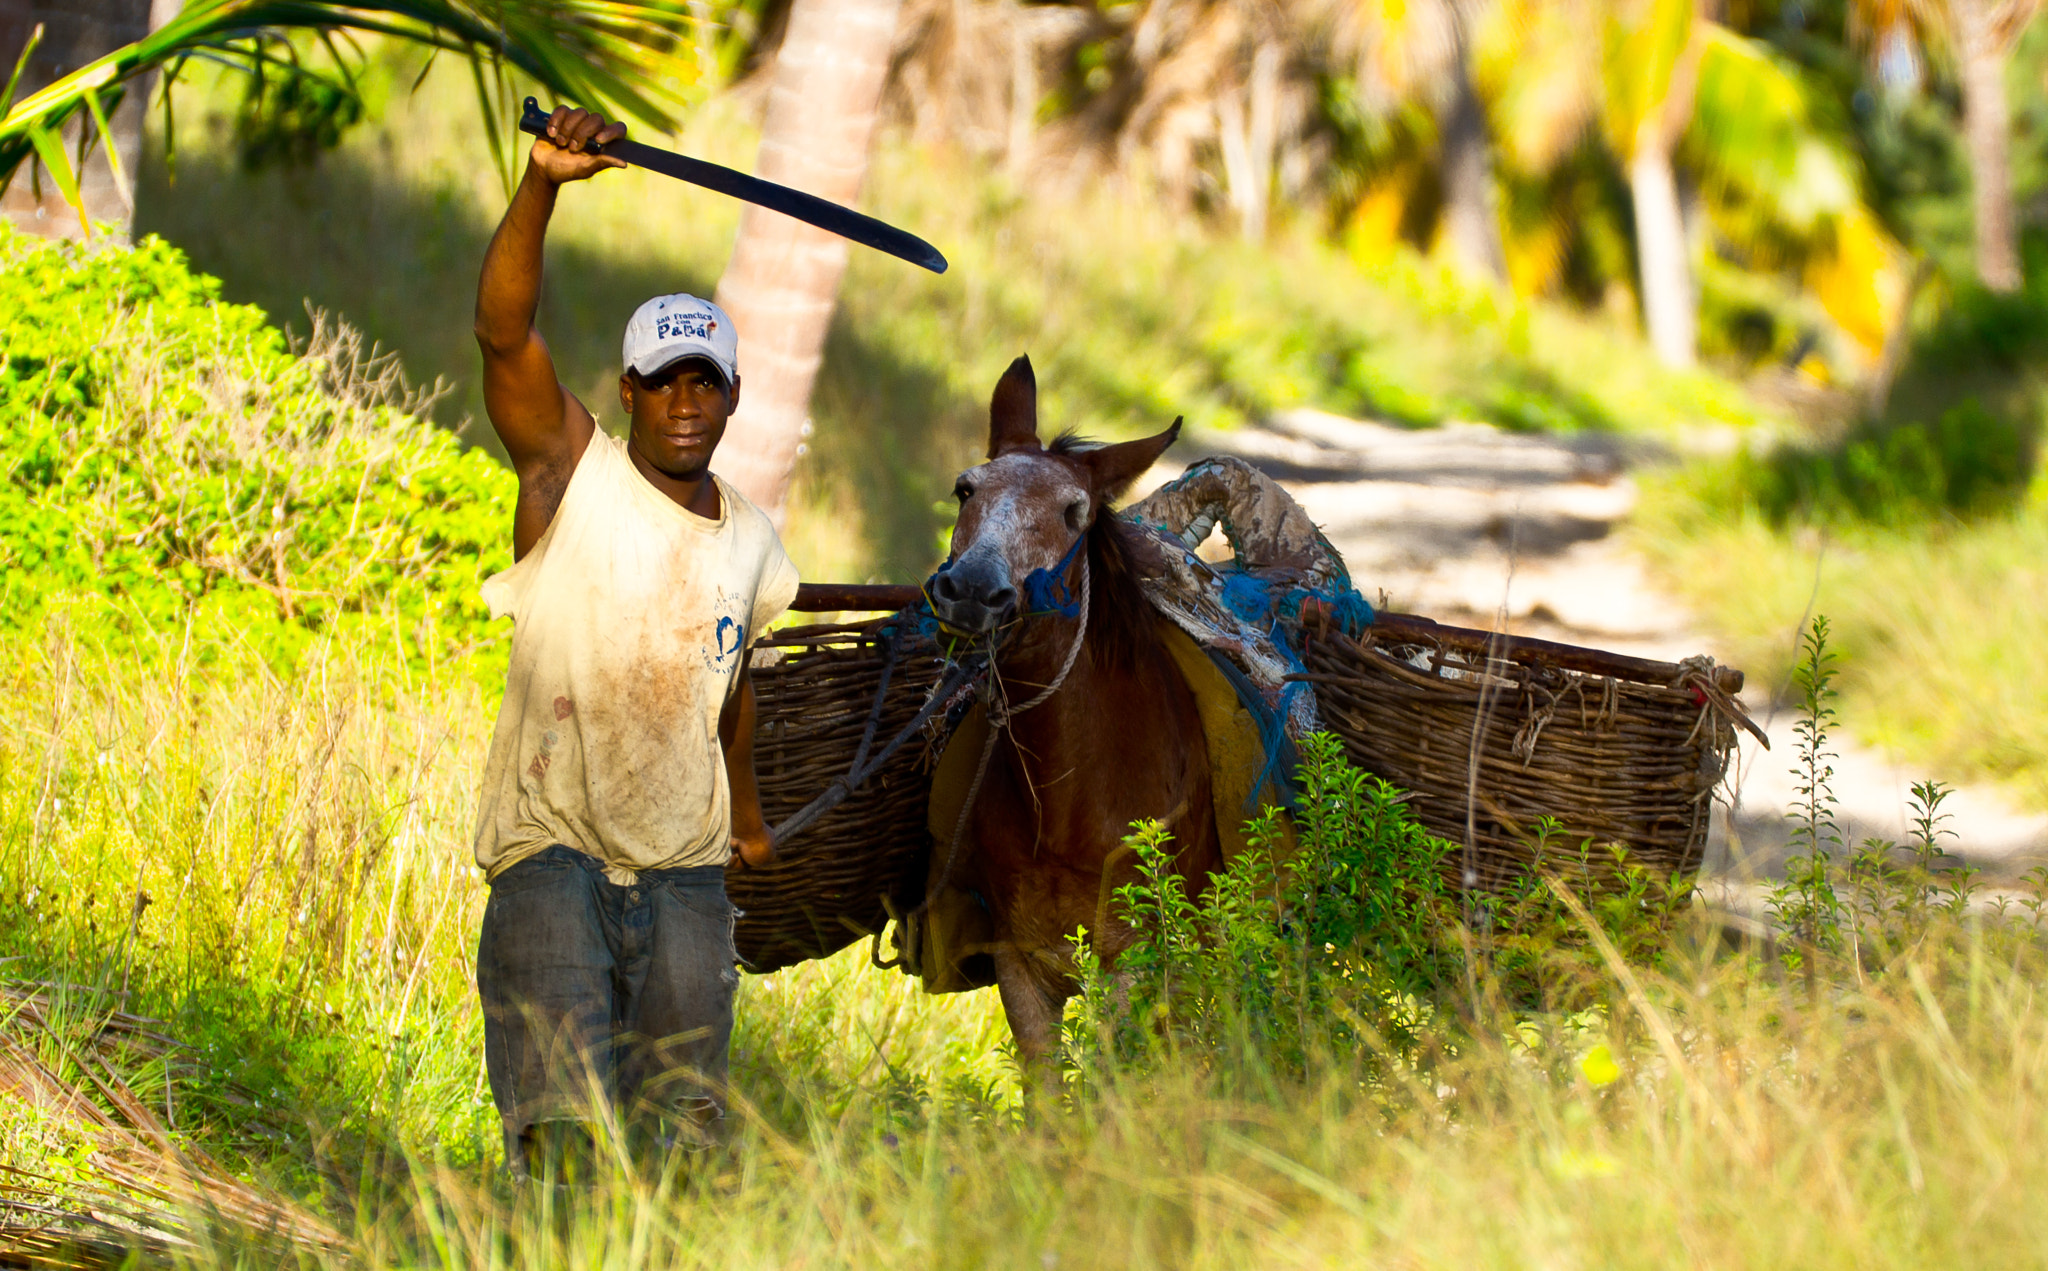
x,y
684,326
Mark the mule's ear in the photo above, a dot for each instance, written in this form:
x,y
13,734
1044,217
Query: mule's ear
x,y
1013,411
1112,468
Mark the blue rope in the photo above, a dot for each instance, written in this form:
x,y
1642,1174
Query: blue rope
x,y
1252,600
1281,756
1046,590
1247,596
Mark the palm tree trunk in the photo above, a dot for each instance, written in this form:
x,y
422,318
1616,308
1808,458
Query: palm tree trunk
x,y
1663,268
1262,127
1024,94
1471,218
783,280
73,35
1981,56
1245,131
1465,158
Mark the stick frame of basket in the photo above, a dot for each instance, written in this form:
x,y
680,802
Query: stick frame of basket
x,y
1717,684
1388,627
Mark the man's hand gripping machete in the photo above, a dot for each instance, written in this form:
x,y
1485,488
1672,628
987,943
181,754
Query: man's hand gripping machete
x,y
808,208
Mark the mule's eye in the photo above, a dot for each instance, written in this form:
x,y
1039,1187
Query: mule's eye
x,y
1076,511
962,491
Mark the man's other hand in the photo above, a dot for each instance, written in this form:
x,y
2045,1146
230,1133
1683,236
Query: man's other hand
x,y
755,847
563,153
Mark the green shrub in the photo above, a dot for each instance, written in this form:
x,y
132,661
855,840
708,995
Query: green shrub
x,y
1971,461
1360,948
1536,953
1983,328
171,461
1345,947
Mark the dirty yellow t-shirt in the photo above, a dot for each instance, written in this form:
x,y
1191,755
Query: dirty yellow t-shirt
x,y
630,618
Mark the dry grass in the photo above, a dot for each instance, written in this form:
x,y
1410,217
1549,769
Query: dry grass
x,y
104,1173
304,844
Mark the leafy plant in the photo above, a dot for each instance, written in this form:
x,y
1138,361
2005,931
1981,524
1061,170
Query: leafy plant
x,y
1343,944
1806,903
1882,897
1356,942
1899,890
172,464
1540,955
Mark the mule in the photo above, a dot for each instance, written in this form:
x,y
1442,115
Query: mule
x,y
1117,740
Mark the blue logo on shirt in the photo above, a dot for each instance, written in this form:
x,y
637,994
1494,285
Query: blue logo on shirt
x,y
728,633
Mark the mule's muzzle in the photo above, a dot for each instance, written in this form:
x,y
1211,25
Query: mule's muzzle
x,y
973,596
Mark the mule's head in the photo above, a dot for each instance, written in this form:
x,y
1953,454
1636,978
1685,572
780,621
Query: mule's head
x,y
1027,507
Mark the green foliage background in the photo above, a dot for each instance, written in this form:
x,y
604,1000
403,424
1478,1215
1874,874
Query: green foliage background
x,y
174,465
1132,312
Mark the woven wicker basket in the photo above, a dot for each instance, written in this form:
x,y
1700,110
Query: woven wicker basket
x,y
1616,749
835,881
1492,734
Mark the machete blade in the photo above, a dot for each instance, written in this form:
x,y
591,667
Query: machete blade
x,y
808,208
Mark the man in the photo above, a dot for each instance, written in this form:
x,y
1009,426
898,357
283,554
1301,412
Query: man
x,y
620,776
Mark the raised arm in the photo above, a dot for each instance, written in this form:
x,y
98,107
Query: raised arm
x,y
543,426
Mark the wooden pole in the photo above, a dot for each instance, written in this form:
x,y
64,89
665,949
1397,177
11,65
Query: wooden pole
x,y
1387,628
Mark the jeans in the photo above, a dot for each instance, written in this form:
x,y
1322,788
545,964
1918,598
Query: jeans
x,y
601,999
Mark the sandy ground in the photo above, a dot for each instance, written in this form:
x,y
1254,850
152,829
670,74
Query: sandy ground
x,y
1473,526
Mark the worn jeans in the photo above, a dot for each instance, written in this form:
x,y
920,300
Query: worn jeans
x,y
597,992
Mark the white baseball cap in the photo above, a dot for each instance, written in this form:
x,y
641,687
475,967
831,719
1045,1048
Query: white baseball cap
x,y
670,327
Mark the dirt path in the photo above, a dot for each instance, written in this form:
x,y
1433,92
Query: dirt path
x,y
1467,524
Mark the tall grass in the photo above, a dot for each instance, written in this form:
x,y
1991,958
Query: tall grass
x,y
271,866
304,846
1940,622
1768,1137
279,871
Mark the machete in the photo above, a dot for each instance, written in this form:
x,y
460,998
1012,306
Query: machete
x,y
808,208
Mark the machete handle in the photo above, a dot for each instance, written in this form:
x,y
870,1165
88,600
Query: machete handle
x,y
534,121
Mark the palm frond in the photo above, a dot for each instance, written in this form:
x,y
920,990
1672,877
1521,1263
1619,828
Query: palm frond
x,y
1541,75
612,55
1643,49
1783,189
28,51
1757,138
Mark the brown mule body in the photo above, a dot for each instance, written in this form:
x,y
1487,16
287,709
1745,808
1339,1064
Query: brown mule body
x,y
1119,741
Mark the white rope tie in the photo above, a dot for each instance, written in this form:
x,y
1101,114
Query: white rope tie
x,y
1000,713
1000,717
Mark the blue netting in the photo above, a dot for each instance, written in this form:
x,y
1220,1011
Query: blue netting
x,y
1248,597
1252,600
